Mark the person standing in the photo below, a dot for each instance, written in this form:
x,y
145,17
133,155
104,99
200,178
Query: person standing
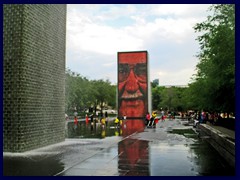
x,y
103,122
154,115
162,115
96,116
147,119
116,122
91,119
203,116
87,119
75,114
92,122
75,122
106,116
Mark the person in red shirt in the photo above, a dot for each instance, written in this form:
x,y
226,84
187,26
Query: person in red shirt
x,y
87,119
148,117
75,122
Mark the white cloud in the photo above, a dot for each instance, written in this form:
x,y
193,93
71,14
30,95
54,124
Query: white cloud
x,y
88,36
180,10
179,77
95,33
109,64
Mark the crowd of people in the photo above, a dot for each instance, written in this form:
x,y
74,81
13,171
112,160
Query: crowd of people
x,y
151,119
91,119
94,119
205,116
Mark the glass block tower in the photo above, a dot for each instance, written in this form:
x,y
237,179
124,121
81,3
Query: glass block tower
x,y
34,38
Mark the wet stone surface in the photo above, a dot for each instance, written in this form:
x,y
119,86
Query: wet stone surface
x,y
170,149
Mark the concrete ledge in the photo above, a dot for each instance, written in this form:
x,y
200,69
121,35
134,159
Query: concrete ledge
x,y
221,142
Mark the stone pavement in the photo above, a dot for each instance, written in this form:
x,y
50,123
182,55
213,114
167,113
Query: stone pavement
x,y
224,130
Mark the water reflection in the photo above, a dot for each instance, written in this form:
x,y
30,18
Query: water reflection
x,y
164,158
133,154
32,166
197,158
133,158
131,126
208,161
94,130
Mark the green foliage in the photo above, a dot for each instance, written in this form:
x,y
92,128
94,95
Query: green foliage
x,y
83,93
172,99
169,99
103,93
213,86
156,96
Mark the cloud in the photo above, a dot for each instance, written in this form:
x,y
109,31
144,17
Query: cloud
x,y
169,77
101,39
95,33
109,64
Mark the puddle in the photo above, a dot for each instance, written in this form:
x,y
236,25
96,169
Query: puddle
x,y
91,131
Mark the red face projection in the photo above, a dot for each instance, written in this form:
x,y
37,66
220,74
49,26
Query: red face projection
x,y
132,84
133,157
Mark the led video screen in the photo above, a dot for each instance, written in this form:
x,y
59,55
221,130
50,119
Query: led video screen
x,y
132,84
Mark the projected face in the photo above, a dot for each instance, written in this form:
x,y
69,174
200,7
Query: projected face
x,y
132,84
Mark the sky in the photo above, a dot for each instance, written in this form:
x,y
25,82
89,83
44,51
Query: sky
x,y
96,32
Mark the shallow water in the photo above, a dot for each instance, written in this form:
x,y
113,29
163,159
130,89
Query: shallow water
x,y
170,149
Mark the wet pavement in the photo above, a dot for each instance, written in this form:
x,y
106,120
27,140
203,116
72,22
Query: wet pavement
x,y
170,149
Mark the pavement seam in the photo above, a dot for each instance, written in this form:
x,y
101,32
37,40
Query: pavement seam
x,y
94,154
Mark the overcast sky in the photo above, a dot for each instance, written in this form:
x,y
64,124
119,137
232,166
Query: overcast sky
x,y
95,33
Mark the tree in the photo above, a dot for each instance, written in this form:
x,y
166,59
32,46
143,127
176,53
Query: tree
x,y
82,93
103,93
78,91
112,96
172,99
214,86
168,98
157,96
